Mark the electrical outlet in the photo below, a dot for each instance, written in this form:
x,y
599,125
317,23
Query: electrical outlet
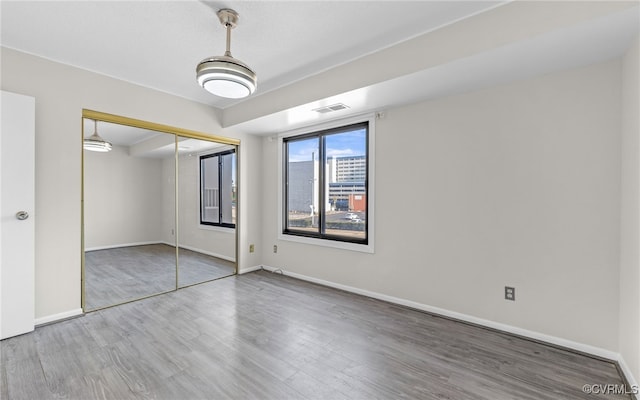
x,y
275,248
510,293
252,248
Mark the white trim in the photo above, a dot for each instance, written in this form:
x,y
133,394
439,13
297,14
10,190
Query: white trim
x,y
365,248
115,246
334,123
627,373
249,269
58,317
209,253
222,229
585,348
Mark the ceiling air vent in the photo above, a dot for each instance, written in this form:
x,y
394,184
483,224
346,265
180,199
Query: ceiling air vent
x,y
331,108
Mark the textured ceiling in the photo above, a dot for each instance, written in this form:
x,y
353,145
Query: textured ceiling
x,y
158,44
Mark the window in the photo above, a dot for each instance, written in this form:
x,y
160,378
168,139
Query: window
x,y
218,189
326,184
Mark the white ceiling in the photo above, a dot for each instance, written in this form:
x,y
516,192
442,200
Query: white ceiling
x,y
157,44
581,44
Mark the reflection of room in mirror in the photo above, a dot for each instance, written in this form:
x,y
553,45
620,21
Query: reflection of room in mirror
x,y
206,251
130,215
132,272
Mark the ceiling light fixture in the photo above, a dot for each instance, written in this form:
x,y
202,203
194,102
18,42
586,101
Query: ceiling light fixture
x,y
95,142
226,76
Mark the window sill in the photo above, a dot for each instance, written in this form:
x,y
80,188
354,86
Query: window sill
x,y
217,229
362,248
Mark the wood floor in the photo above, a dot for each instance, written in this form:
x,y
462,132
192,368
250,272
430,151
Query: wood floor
x,y
266,336
113,276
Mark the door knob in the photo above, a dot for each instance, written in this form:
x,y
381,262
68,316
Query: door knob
x,y
22,215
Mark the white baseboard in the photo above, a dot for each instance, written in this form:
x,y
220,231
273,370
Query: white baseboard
x,y
581,347
250,269
627,373
58,317
115,246
209,253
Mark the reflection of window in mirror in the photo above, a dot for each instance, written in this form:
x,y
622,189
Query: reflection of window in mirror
x,y
218,189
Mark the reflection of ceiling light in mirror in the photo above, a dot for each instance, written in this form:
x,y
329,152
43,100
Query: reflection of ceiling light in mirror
x,y
95,142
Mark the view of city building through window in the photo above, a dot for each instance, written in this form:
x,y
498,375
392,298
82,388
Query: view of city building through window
x,y
326,184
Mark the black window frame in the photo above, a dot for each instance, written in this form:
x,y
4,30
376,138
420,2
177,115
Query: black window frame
x,y
321,135
220,191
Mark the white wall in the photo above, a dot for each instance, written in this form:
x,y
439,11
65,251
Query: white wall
x,y
168,227
630,212
61,93
251,199
122,199
516,185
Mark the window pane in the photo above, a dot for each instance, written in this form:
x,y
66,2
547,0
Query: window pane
x,y
209,207
345,184
302,185
228,189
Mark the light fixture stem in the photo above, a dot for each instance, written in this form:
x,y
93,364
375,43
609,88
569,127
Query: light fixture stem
x,y
228,52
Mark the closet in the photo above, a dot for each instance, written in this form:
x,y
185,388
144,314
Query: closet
x,y
150,194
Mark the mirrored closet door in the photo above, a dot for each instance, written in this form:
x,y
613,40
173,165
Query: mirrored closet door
x,y
207,210
143,196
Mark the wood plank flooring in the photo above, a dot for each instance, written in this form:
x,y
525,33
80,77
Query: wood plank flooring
x,y
113,276
267,336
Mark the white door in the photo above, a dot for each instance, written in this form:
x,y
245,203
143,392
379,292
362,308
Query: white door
x,y
17,202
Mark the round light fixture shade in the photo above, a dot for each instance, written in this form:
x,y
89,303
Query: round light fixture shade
x,y
226,76
95,142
